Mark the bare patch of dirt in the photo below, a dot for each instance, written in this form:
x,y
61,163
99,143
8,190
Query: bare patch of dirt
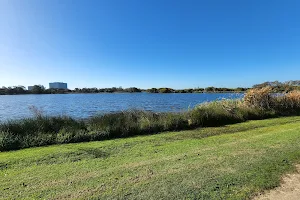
x,y
289,189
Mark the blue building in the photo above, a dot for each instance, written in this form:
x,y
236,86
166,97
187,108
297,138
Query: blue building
x,y
58,85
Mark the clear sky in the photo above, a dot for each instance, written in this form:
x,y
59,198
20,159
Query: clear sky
x,y
149,43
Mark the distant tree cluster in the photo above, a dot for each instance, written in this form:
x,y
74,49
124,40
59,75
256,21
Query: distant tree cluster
x,y
40,89
36,89
160,90
13,90
106,90
280,86
215,89
196,90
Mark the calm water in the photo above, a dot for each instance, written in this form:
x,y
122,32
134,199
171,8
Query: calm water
x,y
86,105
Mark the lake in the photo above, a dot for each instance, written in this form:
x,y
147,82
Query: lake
x,y
86,105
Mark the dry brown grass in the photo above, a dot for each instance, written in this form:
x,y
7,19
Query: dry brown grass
x,y
293,99
281,104
259,97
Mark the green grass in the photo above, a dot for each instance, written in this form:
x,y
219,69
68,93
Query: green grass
x,y
230,162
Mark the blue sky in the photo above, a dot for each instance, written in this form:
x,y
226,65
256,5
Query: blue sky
x,y
149,43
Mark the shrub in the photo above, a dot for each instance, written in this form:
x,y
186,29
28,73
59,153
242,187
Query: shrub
x,y
9,141
173,121
259,97
293,99
216,113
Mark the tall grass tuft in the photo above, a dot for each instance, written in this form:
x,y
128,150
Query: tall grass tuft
x,y
260,98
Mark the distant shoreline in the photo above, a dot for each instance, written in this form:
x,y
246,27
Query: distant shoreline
x,y
40,89
276,87
122,93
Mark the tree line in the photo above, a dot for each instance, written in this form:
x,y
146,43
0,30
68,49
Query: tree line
x,y
276,86
107,90
40,89
36,89
196,90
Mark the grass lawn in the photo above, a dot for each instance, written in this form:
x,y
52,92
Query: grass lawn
x,y
230,162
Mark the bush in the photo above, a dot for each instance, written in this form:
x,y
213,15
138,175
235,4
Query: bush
x,y
260,97
216,113
293,99
9,141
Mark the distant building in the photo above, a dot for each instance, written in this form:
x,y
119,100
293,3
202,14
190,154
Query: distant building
x,y
37,86
58,85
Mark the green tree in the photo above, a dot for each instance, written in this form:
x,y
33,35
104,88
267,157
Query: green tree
x,y
152,90
210,89
38,89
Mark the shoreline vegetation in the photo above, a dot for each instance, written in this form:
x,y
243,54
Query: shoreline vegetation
x,y
42,130
276,86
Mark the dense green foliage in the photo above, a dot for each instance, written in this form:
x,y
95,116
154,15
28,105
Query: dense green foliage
x,y
240,161
106,90
43,130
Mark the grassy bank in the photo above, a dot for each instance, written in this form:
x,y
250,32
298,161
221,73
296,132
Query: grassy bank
x,y
43,130
231,162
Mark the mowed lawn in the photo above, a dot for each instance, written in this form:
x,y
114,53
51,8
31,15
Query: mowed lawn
x,y
230,162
